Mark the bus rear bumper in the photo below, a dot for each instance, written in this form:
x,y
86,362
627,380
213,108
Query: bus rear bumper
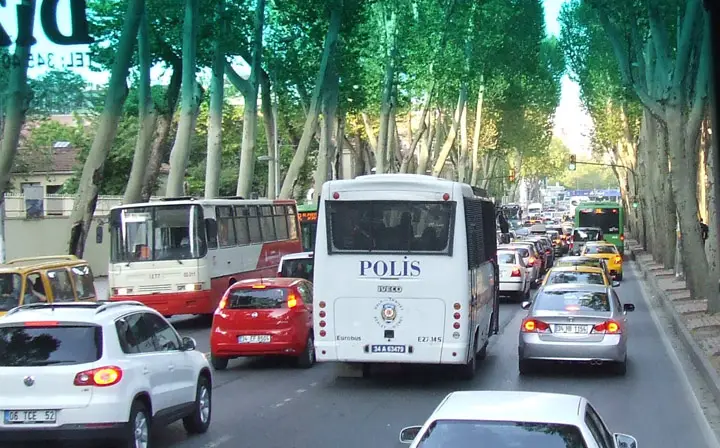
x,y
174,303
447,353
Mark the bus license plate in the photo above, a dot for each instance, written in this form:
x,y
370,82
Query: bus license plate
x,y
254,339
30,417
387,348
571,329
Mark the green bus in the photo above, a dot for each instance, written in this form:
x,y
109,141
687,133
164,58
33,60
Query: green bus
x,y
608,216
307,215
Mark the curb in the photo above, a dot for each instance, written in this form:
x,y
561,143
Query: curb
x,y
697,355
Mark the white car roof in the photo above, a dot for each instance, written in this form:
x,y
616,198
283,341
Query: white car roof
x,y
90,312
518,406
296,256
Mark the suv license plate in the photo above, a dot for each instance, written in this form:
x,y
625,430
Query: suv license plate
x,y
254,339
30,417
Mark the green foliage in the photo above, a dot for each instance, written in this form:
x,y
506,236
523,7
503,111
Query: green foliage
x,y
587,177
59,92
552,163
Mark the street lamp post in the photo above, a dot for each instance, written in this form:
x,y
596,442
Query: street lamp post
x,y
273,175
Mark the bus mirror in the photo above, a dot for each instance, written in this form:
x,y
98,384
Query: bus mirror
x,y
99,234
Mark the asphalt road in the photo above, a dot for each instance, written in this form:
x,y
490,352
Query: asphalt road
x,y
269,404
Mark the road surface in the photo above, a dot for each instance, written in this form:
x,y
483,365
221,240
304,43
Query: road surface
x,y
270,404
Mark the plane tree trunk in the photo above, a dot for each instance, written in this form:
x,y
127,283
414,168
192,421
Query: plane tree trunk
x,y
147,116
215,112
92,173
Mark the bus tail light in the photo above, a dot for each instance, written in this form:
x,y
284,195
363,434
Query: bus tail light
x,y
456,325
456,306
100,377
456,316
607,327
530,325
323,333
515,273
622,237
322,324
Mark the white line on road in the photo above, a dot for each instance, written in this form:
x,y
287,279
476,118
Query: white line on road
x,y
705,427
288,399
313,384
299,391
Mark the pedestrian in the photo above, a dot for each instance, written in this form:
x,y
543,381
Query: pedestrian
x,y
704,230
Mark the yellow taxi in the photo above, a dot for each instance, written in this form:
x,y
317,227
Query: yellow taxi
x,y
576,260
608,252
578,274
62,278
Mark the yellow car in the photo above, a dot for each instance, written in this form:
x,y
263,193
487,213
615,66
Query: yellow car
x,y
608,252
582,261
578,274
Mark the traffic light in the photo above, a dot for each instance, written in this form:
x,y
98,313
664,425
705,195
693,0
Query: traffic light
x,y
512,175
572,164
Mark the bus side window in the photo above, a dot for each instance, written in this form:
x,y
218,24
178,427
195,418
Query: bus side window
x,y
211,232
292,222
266,223
241,225
254,224
280,223
226,227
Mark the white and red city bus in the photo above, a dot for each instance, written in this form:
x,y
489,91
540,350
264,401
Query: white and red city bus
x,y
179,255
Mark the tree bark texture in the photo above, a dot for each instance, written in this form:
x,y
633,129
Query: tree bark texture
x,y
147,116
92,174
213,163
190,101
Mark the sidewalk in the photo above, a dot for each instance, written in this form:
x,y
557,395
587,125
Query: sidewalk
x,y
699,331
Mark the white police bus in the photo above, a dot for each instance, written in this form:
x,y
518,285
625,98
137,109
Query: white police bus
x,y
404,272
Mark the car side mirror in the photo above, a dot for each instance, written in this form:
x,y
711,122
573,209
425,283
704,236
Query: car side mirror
x,y
188,344
615,283
625,441
628,307
407,435
526,305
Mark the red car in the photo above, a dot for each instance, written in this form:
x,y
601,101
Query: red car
x,y
260,317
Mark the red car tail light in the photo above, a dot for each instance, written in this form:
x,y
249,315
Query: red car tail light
x,y
292,300
100,377
608,327
530,325
515,273
531,261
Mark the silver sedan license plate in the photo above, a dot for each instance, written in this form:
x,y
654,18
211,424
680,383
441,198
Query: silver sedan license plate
x,y
571,329
254,339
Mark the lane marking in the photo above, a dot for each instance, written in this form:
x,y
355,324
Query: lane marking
x,y
215,443
299,391
707,431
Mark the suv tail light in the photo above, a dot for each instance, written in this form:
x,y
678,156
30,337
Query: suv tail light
x,y
515,272
100,377
608,327
530,325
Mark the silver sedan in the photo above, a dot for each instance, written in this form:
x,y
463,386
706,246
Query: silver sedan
x,y
577,323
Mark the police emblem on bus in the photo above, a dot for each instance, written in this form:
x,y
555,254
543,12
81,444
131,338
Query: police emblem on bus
x,y
388,312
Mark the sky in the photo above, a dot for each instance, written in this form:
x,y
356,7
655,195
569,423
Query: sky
x,y
572,124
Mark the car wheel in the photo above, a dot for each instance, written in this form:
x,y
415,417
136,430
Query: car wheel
x,y
307,357
199,421
218,362
138,427
526,367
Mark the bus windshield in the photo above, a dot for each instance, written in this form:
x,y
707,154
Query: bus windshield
x,y
165,232
390,226
607,219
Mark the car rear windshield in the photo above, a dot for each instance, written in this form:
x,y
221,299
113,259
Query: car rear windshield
x,y
52,345
525,253
590,262
600,250
506,257
302,268
572,301
592,278
585,235
475,434
246,299
10,287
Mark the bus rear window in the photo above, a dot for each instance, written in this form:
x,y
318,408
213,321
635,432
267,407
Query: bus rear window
x,y
51,345
248,299
390,226
607,219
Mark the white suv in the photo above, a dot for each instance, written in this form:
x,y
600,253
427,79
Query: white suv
x,y
91,370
